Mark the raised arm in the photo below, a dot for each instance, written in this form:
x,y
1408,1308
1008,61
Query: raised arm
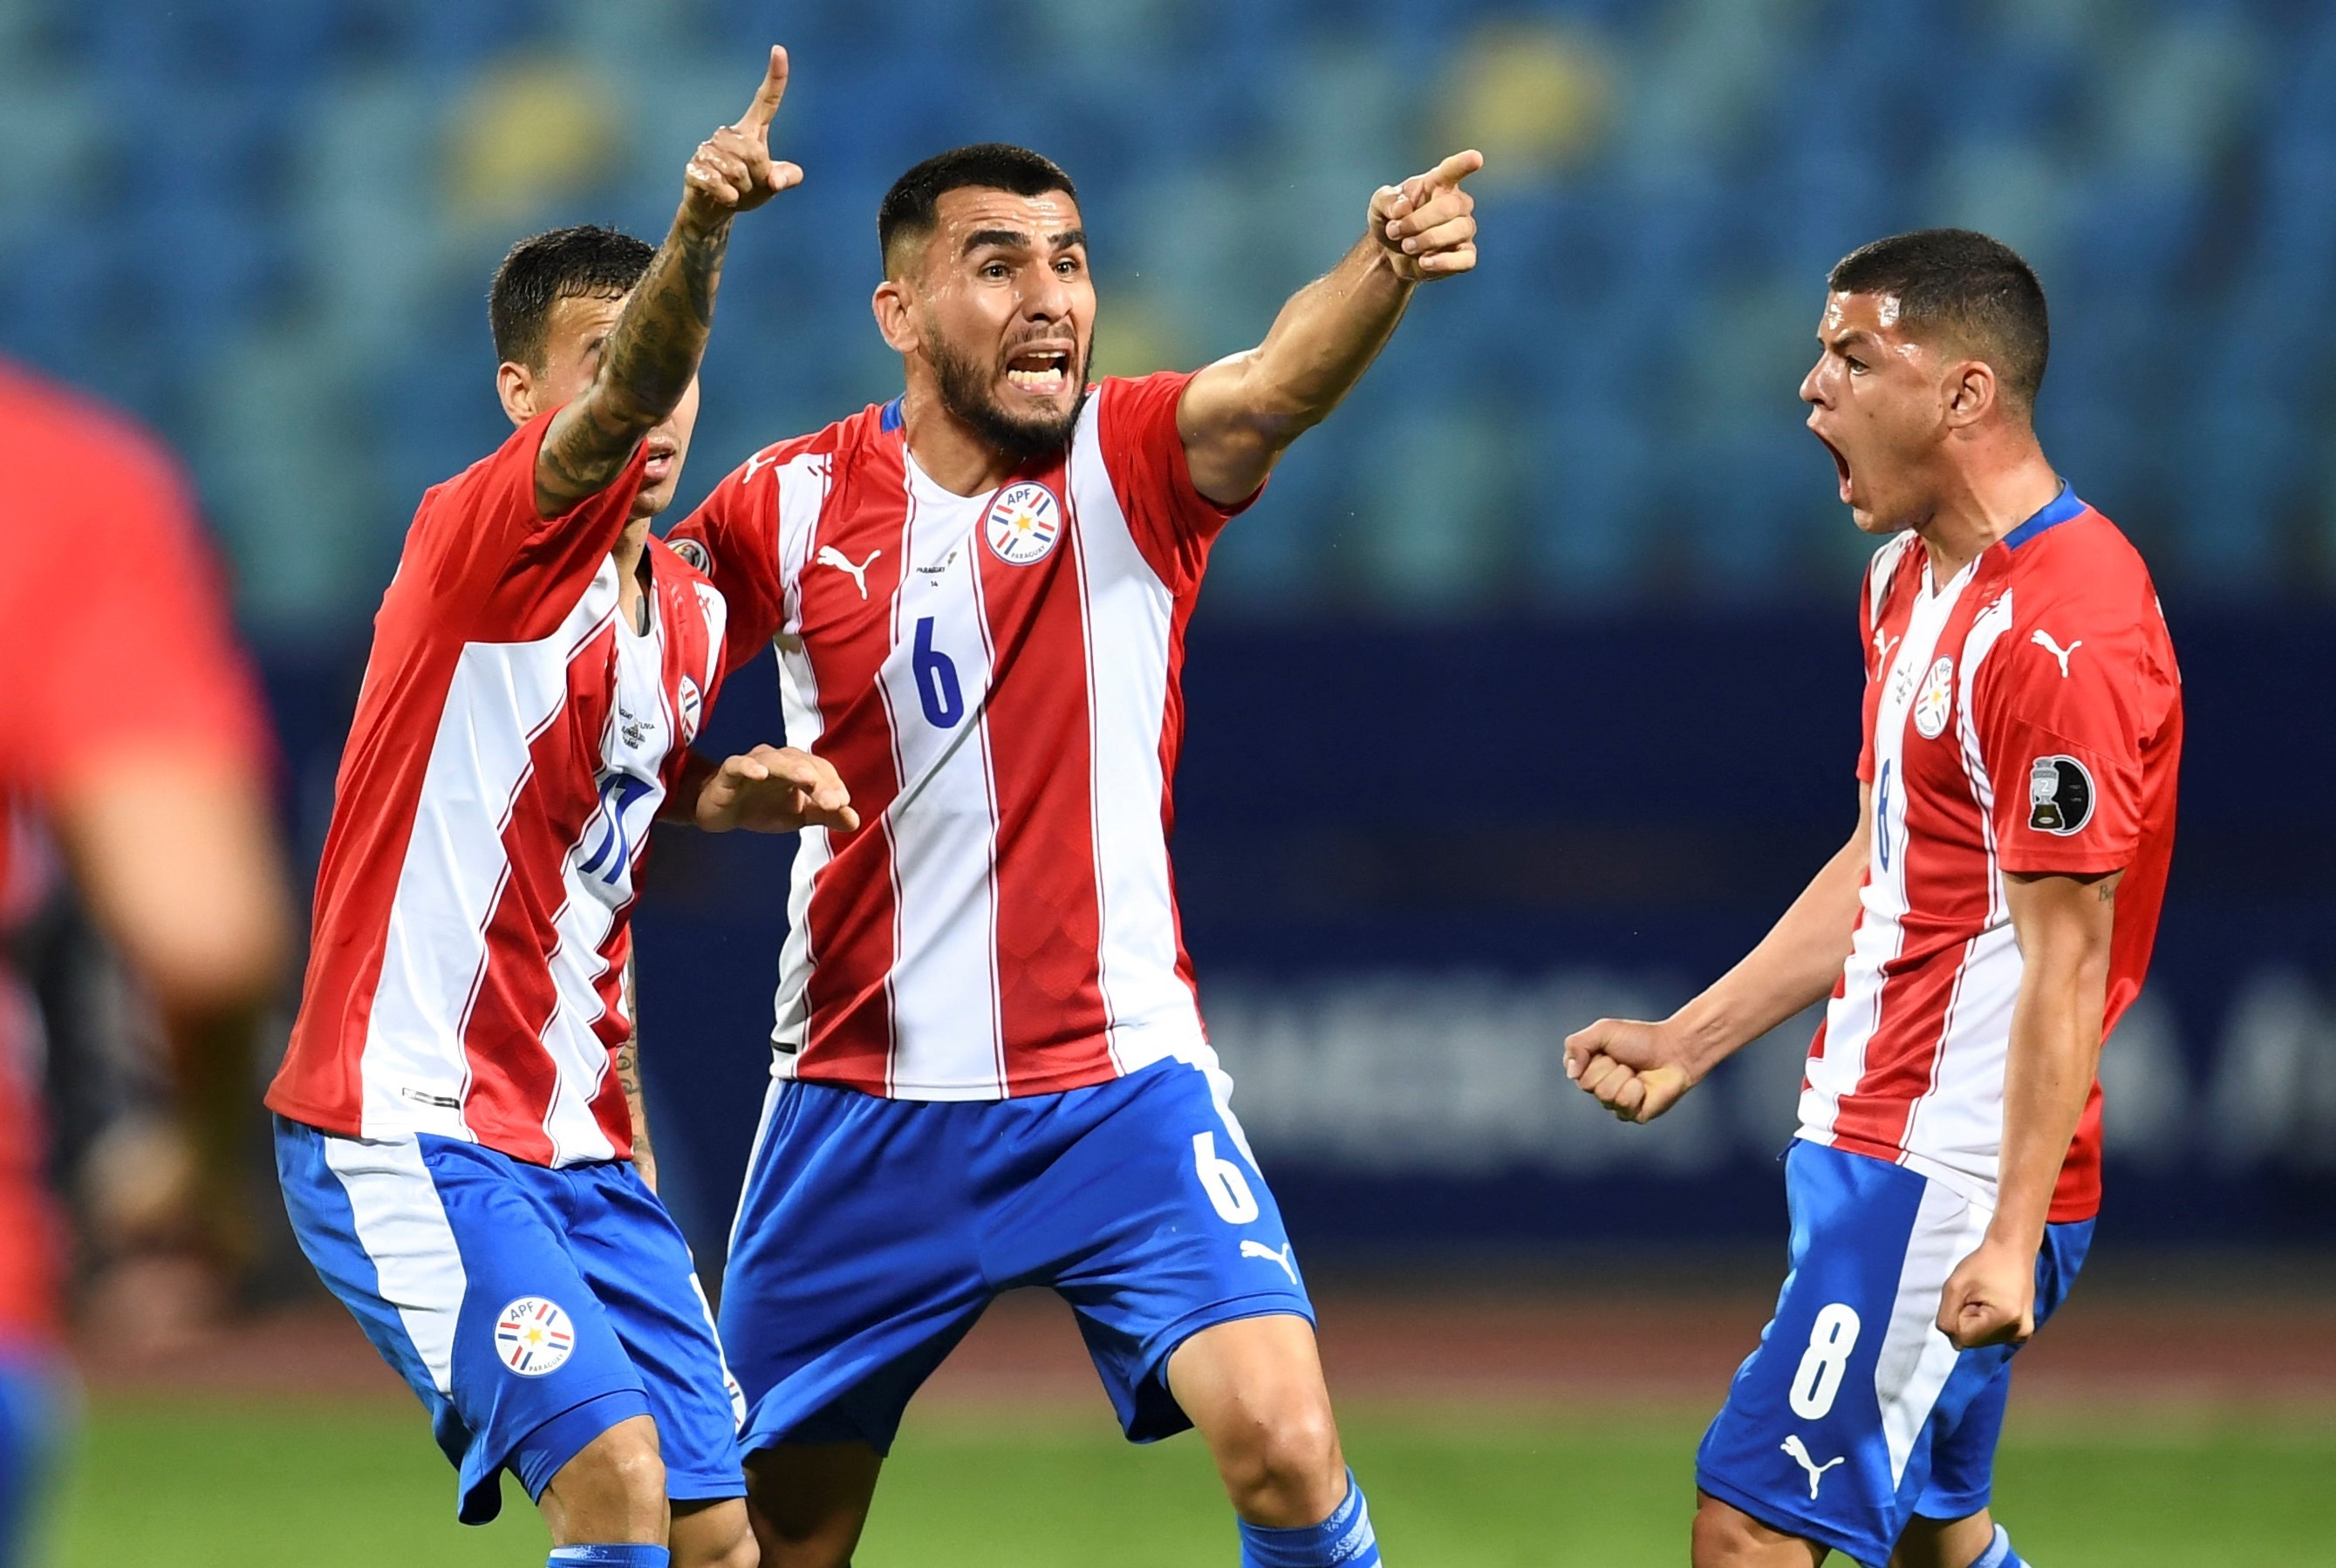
x,y
1638,1069
2064,925
652,353
1240,414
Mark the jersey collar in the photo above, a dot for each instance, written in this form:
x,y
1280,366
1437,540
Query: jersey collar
x,y
2058,510
889,418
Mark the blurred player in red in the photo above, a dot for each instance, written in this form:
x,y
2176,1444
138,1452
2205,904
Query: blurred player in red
x,y
1980,935
131,727
455,1117
990,1067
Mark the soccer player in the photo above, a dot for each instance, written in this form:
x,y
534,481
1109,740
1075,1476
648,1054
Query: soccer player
x,y
131,727
452,1124
1979,935
991,1068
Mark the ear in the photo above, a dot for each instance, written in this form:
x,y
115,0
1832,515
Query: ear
x,y
1972,394
896,315
515,384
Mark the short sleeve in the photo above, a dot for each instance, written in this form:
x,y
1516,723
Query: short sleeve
x,y
477,541
732,538
2063,720
1174,523
127,645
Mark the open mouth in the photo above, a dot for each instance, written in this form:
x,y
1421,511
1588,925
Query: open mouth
x,y
1840,465
659,464
1041,372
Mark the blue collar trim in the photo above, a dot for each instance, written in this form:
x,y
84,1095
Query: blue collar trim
x,y
889,418
2062,507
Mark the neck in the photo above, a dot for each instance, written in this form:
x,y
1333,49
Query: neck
x,y
1983,505
953,454
629,547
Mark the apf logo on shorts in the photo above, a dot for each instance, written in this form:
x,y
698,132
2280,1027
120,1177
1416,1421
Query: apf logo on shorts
x,y
1023,523
533,1337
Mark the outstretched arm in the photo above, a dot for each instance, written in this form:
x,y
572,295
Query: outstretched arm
x,y
653,352
1638,1069
2064,925
1240,414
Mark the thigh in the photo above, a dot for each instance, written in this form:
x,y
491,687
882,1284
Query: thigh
x,y
458,1275
638,1264
1147,1213
853,1264
1829,1427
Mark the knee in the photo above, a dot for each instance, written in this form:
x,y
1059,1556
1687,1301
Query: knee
x,y
613,1489
1282,1466
717,1536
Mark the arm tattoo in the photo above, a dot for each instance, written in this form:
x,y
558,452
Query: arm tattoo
x,y
644,369
629,1073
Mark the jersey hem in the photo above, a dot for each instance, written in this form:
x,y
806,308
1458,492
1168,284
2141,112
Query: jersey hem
x,y
1979,1191
967,1093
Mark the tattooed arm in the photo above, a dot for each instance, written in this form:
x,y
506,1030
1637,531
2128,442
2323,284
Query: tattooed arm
x,y
628,1075
651,356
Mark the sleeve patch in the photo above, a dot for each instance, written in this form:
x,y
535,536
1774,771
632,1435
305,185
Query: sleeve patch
x,y
2059,795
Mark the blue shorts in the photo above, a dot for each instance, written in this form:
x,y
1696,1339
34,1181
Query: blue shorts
x,y
1856,1413
530,1309
28,1437
873,1232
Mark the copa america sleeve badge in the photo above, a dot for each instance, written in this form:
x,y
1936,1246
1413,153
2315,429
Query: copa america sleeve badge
x,y
2059,795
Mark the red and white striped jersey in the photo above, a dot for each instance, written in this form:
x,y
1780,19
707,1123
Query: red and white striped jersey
x,y
996,678
2025,717
513,742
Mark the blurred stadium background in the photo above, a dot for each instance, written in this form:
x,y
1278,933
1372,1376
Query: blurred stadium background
x,y
1526,694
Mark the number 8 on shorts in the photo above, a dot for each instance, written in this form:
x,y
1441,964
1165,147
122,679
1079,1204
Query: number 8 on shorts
x,y
1832,1338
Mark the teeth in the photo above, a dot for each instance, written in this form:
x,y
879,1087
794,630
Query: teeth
x,y
1048,380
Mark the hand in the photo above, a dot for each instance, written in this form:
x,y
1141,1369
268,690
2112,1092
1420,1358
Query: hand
x,y
1427,227
1637,1070
732,171
1990,1298
774,789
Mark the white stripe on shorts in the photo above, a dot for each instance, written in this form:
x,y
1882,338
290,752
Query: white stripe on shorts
x,y
402,1225
1916,1358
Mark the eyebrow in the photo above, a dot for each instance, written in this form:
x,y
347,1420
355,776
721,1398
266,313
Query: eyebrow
x,y
1014,239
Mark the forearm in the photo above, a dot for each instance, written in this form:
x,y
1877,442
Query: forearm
x,y
2054,1049
1795,965
646,366
2048,1077
629,1077
680,803
1325,338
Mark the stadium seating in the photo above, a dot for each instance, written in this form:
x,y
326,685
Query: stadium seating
x,y
266,225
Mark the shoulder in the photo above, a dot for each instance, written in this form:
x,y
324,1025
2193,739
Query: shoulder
x,y
2085,571
63,450
746,496
1121,399
1884,570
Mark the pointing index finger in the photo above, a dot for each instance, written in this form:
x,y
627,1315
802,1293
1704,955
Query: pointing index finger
x,y
1456,168
759,112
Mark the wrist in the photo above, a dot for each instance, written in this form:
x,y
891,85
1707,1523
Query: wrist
x,y
697,228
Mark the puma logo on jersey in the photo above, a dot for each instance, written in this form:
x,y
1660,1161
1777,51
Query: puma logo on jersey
x,y
2043,639
1798,1452
1259,1250
757,463
829,555
1883,643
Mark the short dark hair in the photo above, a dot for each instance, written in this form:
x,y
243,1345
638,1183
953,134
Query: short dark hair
x,y
1975,289
559,263
911,206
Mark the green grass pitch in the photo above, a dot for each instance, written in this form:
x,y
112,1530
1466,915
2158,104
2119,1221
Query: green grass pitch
x,y
197,1482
